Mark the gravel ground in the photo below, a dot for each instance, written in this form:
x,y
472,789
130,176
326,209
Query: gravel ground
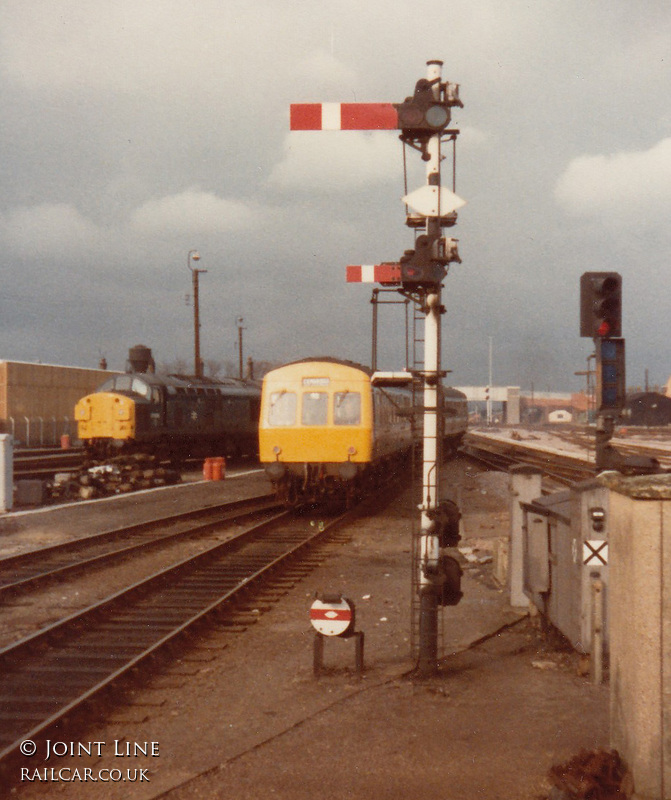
x,y
242,715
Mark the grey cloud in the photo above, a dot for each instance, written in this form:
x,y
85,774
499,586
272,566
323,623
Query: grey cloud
x,y
135,131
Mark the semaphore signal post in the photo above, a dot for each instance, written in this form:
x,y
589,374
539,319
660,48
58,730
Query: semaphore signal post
x,y
423,120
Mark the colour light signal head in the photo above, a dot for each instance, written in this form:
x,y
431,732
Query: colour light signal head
x,y
601,305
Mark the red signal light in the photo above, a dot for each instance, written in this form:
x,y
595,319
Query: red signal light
x,y
601,304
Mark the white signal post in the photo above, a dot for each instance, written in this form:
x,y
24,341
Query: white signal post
x,y
429,551
422,119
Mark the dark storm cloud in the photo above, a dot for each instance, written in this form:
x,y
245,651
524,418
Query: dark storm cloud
x,y
134,132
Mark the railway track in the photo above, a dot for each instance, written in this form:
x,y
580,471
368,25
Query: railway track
x,y
50,673
42,463
561,468
26,571
661,454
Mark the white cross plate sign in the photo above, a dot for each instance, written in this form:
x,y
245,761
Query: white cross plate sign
x,y
595,552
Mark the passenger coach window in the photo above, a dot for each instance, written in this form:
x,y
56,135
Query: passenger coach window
x,y
346,408
315,408
282,409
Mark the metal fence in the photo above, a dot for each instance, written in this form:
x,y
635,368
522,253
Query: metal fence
x,y
38,431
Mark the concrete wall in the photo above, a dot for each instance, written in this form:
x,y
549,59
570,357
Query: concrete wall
x,y
512,414
640,628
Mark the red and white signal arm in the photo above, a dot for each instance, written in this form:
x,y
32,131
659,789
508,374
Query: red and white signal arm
x,y
332,616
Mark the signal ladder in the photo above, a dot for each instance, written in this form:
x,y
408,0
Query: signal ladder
x,y
414,354
416,349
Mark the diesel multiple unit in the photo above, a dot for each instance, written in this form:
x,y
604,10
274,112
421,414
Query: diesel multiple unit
x,y
327,429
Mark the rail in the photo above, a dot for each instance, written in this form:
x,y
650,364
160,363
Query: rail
x,y
98,645
57,562
562,468
46,463
504,450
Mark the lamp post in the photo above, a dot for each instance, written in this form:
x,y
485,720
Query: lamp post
x,y
194,255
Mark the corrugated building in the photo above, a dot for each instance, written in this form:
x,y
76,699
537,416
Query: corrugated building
x,y
37,400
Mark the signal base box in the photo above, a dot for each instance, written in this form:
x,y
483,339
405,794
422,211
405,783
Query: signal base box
x,y
31,492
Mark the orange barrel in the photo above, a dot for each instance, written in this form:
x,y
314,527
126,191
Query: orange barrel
x,y
207,469
65,441
218,468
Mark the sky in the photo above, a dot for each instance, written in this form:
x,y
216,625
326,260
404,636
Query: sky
x,y
136,131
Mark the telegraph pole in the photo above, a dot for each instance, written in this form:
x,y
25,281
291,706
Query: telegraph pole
x,y
197,361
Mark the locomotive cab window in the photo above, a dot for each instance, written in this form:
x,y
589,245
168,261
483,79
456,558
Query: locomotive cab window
x,y
141,388
346,408
282,410
315,408
123,383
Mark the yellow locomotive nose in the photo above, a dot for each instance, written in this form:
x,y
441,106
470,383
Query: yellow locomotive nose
x,y
105,415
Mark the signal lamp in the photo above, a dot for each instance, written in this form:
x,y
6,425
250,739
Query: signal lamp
x,y
610,375
428,111
601,305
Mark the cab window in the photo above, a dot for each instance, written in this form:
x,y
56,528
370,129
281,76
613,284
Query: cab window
x,y
282,409
141,388
123,383
315,408
346,408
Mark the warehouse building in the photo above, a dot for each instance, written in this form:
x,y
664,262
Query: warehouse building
x,y
37,401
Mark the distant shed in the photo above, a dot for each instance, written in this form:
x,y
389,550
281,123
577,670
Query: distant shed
x,y
648,408
37,400
560,415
